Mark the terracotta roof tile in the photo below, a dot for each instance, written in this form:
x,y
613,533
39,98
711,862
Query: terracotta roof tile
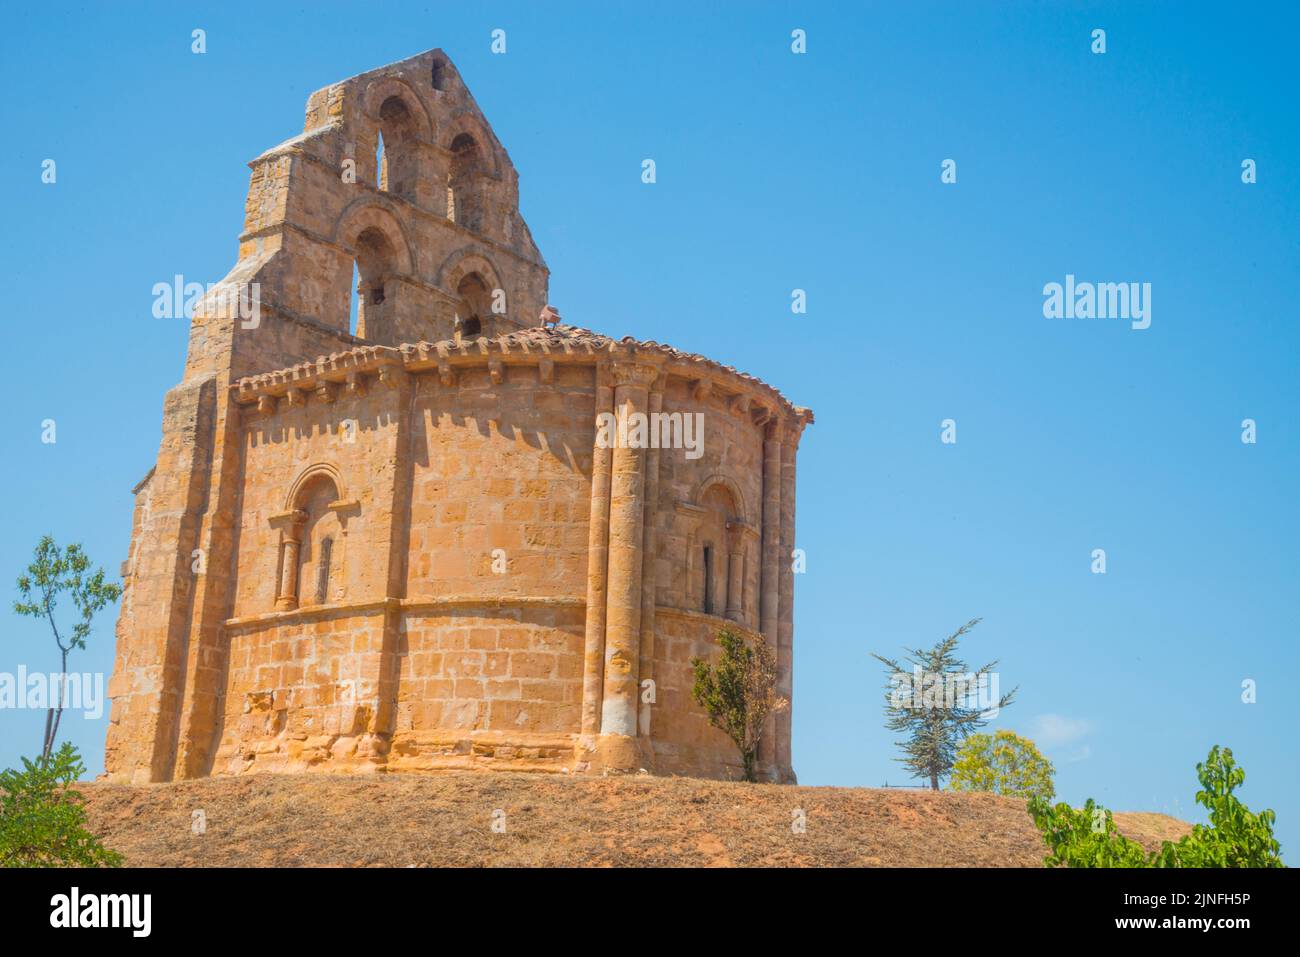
x,y
560,337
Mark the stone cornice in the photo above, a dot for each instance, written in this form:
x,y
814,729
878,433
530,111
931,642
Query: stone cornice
x,y
407,605
744,394
715,622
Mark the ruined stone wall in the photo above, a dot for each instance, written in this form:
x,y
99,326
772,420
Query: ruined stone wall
x,y
302,692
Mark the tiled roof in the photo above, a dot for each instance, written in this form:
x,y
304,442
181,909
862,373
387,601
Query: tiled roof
x,y
544,341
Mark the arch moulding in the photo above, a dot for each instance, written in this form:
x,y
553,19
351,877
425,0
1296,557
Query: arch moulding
x,y
463,262
310,473
383,89
466,122
717,478
366,213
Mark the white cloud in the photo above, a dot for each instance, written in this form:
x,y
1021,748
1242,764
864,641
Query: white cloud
x,y
1079,754
1056,730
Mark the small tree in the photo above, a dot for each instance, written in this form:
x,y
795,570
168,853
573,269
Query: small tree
x,y
739,693
54,570
1002,763
937,712
42,819
1236,837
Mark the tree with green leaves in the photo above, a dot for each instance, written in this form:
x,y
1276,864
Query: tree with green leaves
x,y
935,701
739,692
42,818
1235,837
55,570
1002,763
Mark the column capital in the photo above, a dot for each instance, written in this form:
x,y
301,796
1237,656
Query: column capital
x,y
787,429
629,372
289,522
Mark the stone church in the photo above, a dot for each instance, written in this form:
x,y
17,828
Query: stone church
x,y
382,534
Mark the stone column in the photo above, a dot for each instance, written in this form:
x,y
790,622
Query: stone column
x,y
288,598
735,572
593,675
785,622
769,597
626,538
648,570
291,523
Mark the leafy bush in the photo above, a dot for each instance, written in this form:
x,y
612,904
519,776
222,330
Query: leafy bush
x,y
1002,763
1236,837
739,693
42,819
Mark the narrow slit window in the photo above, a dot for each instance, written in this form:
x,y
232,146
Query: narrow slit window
x,y
323,574
708,579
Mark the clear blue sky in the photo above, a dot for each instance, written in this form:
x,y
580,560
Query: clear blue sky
x,y
776,172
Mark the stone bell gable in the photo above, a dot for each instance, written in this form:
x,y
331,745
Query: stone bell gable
x,y
398,537
431,221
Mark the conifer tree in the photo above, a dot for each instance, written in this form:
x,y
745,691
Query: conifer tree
x,y
931,701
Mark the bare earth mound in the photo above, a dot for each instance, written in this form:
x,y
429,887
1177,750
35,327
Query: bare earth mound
x,y
447,819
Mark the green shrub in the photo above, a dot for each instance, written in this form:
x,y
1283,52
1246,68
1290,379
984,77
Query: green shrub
x,y
42,818
1235,837
739,693
1002,763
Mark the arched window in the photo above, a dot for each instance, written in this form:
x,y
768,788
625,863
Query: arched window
x,y
308,557
396,149
717,577
474,306
464,205
354,310
440,75
372,274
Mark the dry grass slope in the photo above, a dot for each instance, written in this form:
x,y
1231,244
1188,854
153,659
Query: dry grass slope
x,y
445,819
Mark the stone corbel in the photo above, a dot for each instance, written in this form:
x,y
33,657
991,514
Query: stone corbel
x,y
266,404
388,376
296,397
700,389
496,371
288,521
739,405
345,510
446,375
546,371
326,391
356,386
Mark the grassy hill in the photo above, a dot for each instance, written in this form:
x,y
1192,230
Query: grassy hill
x,y
446,819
